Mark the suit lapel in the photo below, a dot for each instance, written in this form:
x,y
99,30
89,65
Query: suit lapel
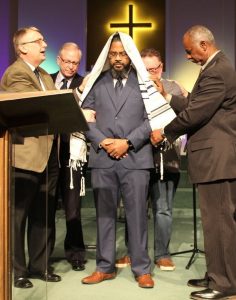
x,y
76,81
108,82
210,65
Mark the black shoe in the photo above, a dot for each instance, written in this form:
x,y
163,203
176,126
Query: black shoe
x,y
77,265
49,277
22,283
198,282
209,294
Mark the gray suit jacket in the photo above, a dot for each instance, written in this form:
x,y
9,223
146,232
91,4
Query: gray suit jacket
x,y
34,154
209,118
119,118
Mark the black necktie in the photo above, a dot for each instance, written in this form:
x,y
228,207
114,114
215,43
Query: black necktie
x,y
118,86
64,85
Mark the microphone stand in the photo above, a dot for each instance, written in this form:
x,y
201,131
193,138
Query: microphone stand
x,y
195,249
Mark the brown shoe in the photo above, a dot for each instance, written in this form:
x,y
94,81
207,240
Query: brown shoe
x,y
97,277
123,262
165,264
145,281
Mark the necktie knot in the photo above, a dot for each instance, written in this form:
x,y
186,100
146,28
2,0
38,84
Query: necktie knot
x,y
64,84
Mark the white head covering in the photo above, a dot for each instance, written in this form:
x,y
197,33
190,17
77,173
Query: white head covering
x,y
158,110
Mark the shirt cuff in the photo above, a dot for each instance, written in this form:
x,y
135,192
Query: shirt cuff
x,y
168,98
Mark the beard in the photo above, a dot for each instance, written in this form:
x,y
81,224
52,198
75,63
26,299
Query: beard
x,y
120,73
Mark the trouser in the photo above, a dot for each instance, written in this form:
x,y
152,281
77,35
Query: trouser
x,y
218,211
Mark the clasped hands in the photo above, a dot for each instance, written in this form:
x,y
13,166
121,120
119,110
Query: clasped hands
x,y
116,148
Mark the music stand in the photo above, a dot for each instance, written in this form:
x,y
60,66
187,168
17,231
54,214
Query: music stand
x,y
195,249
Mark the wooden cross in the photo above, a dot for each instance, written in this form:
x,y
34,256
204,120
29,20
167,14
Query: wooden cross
x,y
130,24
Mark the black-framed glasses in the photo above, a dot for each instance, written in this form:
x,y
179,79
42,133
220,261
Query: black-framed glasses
x,y
38,41
113,54
154,69
68,62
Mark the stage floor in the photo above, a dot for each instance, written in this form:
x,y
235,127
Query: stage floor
x,y
169,285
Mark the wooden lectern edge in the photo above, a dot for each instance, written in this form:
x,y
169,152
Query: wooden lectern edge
x,y
25,121
22,95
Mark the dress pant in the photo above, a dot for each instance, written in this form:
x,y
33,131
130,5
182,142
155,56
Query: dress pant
x,y
218,212
74,242
162,194
34,214
108,185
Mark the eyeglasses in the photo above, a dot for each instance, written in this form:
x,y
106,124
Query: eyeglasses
x,y
38,41
115,54
67,62
152,70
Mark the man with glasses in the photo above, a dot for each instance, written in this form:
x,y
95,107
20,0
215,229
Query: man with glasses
x,y
120,159
34,161
68,60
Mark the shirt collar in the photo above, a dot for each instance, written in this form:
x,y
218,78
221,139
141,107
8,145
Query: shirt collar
x,y
209,60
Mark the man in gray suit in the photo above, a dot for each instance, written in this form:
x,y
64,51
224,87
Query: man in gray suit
x,y
120,159
208,117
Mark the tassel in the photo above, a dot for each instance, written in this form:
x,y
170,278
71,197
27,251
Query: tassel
x,y
71,178
82,186
161,164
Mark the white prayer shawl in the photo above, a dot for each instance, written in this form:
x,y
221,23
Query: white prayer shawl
x,y
158,110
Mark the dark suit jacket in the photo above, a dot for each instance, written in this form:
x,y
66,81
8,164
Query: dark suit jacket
x,y
65,138
34,154
76,81
209,118
119,118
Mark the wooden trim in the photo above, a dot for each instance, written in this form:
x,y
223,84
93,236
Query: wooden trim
x,y
5,272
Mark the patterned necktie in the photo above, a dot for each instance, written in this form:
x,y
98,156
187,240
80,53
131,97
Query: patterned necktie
x,y
118,86
64,85
36,72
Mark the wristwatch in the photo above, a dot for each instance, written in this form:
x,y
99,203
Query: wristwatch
x,y
130,144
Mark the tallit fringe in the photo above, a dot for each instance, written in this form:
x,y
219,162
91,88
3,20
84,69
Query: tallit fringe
x,y
165,145
78,151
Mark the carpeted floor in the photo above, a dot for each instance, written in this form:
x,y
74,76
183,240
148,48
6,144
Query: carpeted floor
x,y
168,285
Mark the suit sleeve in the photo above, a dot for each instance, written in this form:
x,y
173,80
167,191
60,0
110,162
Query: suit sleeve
x,y
140,135
179,103
203,104
94,135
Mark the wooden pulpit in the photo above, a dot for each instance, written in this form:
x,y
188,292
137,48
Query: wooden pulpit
x,y
28,114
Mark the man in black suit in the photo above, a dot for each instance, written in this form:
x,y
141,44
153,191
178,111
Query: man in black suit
x,y
208,117
68,59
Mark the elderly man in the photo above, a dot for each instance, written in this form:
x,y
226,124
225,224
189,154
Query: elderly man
x,y
68,60
208,117
33,160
